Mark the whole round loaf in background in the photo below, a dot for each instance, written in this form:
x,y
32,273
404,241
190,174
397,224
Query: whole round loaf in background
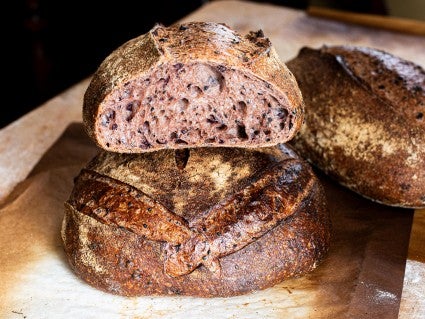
x,y
190,85
209,222
364,121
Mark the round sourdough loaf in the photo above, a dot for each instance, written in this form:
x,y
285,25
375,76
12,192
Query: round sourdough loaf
x,y
190,85
364,123
202,222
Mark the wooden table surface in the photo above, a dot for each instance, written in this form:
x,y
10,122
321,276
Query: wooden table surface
x,y
24,141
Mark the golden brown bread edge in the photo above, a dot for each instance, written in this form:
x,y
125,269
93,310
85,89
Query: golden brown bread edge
x,y
364,122
192,85
209,222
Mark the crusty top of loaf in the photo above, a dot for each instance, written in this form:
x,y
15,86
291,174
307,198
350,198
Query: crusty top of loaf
x,y
188,43
209,173
399,83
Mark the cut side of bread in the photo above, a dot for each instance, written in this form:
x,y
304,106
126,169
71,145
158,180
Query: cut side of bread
x,y
364,122
192,85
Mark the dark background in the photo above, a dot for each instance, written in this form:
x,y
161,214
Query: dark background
x,y
49,45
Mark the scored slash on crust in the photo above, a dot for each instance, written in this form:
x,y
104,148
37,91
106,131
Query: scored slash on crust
x,y
224,229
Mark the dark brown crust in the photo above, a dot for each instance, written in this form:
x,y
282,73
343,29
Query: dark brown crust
x,y
364,123
203,44
115,203
242,218
288,237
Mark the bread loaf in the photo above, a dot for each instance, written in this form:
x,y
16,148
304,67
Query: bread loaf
x,y
364,122
190,85
202,222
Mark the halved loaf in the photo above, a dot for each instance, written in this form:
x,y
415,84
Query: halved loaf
x,y
190,85
365,123
206,222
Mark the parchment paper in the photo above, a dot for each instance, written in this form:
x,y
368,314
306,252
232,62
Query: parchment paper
x,y
362,276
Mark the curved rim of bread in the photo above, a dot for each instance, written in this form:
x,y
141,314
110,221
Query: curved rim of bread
x,y
191,85
227,230
364,121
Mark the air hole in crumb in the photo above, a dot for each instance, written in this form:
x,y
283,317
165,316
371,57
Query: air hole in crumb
x,y
178,66
267,132
419,116
131,108
221,68
212,119
242,107
107,116
195,91
242,132
180,141
144,144
182,104
282,113
221,127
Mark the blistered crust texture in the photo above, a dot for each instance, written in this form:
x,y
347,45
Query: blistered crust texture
x,y
364,121
190,85
284,233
